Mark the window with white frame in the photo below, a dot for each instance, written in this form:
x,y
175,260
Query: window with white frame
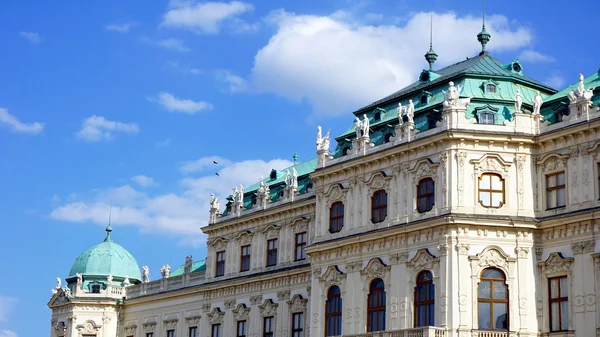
x,y
556,190
491,190
558,298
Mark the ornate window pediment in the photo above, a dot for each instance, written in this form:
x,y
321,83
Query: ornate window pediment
x,y
130,328
553,162
424,168
332,276
556,264
424,260
192,318
297,304
219,243
89,327
490,86
336,192
149,325
492,256
241,312
216,316
268,308
378,181
375,269
244,237
271,231
491,162
486,114
300,224
170,321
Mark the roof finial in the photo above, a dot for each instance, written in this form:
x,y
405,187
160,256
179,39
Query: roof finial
x,y
109,228
431,56
295,156
483,37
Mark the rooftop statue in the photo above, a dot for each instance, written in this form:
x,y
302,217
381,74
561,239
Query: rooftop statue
x,y
187,266
410,111
109,279
518,101
79,278
126,281
234,194
241,195
145,274
580,91
294,178
288,178
214,202
400,111
365,126
452,95
319,137
357,127
165,271
67,291
58,283
537,103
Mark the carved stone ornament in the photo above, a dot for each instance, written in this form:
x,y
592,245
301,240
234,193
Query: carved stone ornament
x,y
375,269
216,316
130,329
424,168
553,162
244,237
241,313
332,276
490,162
88,328
149,326
206,308
522,252
229,304
60,328
271,231
492,256
170,324
336,193
300,224
219,244
556,264
193,320
297,304
283,295
268,308
255,300
423,260
377,181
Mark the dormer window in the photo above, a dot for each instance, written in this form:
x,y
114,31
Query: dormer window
x,y
377,116
490,88
273,174
516,67
424,99
95,288
486,118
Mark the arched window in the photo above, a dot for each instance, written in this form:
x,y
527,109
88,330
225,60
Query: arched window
x,y
492,300
424,300
424,99
491,190
336,217
333,312
425,195
379,206
376,306
377,116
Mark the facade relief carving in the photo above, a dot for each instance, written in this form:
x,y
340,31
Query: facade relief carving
x,y
89,327
585,247
376,269
268,308
241,313
216,316
553,162
297,304
424,260
333,276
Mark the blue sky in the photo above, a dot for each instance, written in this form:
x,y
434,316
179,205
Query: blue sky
x,y
125,104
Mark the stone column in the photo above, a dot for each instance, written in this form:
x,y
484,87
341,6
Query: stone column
x,y
254,326
284,319
403,291
596,258
464,289
316,304
525,282
229,331
441,318
589,285
577,284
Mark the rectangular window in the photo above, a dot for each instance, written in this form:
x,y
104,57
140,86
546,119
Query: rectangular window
x,y
245,258
486,118
556,190
300,244
150,334
559,303
241,329
170,333
216,330
298,325
272,246
268,327
193,332
220,266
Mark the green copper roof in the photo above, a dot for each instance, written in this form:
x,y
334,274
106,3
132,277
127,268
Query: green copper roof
x,y
482,65
106,258
196,266
589,82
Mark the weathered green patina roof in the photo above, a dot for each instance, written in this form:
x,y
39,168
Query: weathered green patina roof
x,y
106,258
481,65
590,82
196,266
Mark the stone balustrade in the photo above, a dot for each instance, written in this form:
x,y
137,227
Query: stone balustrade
x,y
428,331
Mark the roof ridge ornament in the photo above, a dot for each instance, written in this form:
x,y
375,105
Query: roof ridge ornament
x,y
483,37
431,56
109,227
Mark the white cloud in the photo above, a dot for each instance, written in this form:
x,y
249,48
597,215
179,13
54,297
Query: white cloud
x,y
7,333
188,106
6,307
170,44
17,126
119,27
555,81
534,56
31,37
207,17
181,213
144,181
163,143
339,65
202,163
234,83
98,128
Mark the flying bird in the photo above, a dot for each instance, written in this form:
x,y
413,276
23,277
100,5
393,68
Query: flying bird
x,y
214,162
217,173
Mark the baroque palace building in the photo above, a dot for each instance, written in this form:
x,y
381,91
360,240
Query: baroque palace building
x,y
465,204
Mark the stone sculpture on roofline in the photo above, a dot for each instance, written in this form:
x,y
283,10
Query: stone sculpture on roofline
x,y
187,266
214,208
145,274
322,147
518,101
537,103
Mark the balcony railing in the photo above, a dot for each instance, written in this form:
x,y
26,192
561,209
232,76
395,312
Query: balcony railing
x,y
491,333
428,331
